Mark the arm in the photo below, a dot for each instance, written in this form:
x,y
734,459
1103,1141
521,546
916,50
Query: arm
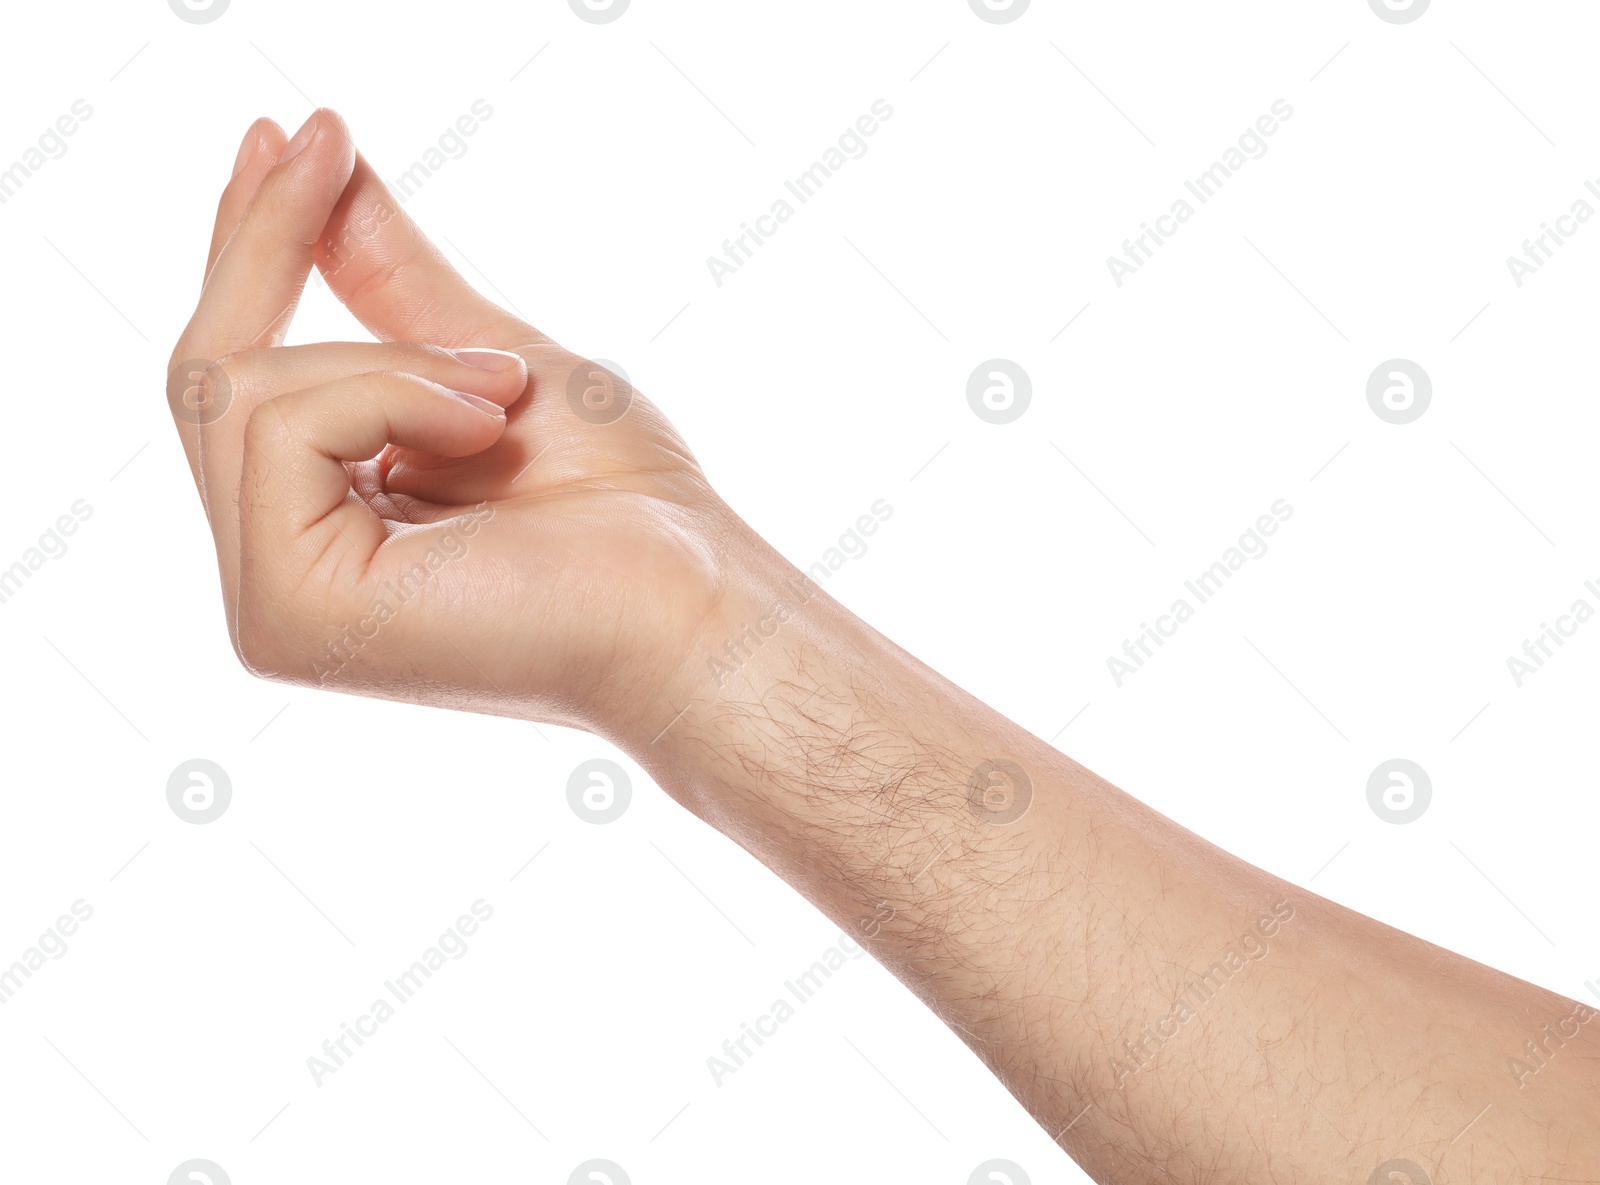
x,y
1167,1012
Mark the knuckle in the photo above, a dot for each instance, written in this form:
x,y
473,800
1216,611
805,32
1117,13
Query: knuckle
x,y
548,358
384,387
236,364
430,355
268,425
375,392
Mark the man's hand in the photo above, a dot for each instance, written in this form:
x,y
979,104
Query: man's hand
x,y
465,515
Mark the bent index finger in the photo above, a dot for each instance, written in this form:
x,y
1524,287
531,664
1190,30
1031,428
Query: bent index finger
x,y
295,493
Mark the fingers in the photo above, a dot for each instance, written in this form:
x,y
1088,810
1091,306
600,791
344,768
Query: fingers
x,y
251,292
262,147
289,204
187,387
296,510
255,377
397,283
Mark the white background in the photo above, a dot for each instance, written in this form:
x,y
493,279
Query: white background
x,y
828,373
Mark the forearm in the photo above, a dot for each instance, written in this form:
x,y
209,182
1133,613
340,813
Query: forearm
x,y
1165,1010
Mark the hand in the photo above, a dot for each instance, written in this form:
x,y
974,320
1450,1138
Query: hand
x,y
432,519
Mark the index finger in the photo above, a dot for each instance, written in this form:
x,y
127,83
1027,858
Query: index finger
x,y
379,263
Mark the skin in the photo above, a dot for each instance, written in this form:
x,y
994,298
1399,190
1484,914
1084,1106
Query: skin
x,y
1167,1012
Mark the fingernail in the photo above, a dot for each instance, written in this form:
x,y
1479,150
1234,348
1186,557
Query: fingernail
x,y
483,405
488,359
246,151
303,137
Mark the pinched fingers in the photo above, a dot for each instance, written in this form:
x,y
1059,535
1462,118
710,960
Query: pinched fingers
x,y
260,267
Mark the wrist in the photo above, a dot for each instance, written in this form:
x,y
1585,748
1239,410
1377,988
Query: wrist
x,y
740,630
787,713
